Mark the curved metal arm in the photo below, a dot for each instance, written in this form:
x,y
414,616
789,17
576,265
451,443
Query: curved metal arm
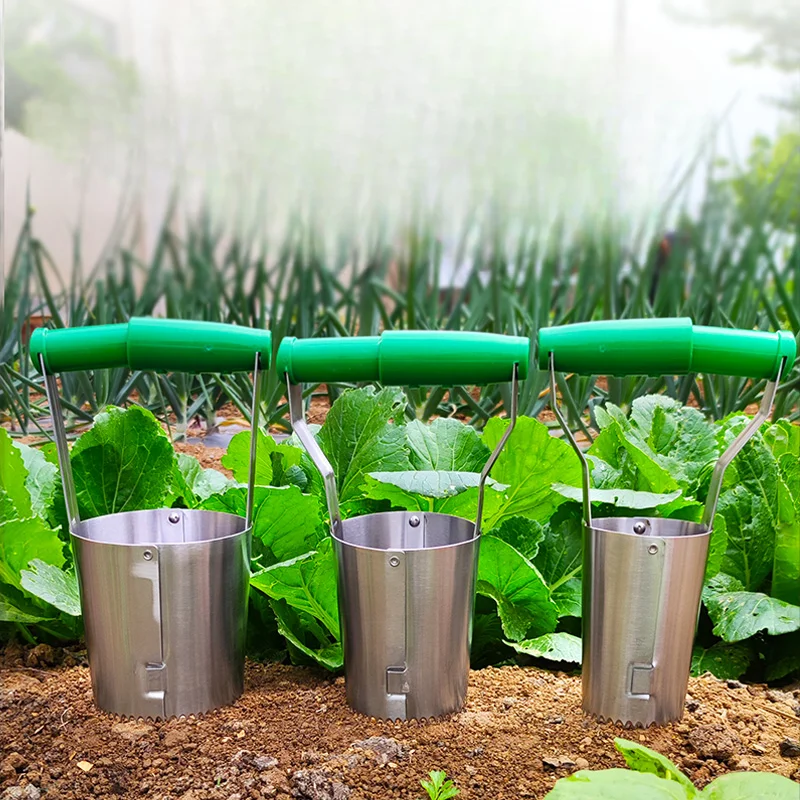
x,y
737,444
300,427
258,388
585,476
487,468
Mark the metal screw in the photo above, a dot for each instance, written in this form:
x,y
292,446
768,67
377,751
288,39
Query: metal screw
x,y
147,555
394,561
174,517
414,521
639,527
653,549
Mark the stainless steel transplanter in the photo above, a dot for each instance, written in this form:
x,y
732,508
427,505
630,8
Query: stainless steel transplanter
x,y
642,575
164,592
406,579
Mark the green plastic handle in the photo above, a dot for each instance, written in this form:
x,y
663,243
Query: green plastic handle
x,y
407,358
161,345
672,346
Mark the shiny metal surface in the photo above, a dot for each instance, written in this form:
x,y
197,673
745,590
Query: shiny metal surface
x,y
406,595
164,608
641,595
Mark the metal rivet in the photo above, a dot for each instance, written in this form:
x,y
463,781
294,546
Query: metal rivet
x,y
174,517
147,555
653,549
639,527
394,561
414,521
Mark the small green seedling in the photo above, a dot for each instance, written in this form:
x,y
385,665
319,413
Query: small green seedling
x,y
439,787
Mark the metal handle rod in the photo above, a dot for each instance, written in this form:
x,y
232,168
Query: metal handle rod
x,y
258,388
585,477
498,449
300,427
724,461
62,448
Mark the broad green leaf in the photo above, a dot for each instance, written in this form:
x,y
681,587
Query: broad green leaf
x,y
560,559
41,480
783,439
530,464
273,461
433,483
750,786
524,535
21,541
724,661
445,444
717,546
307,583
8,510
10,613
753,505
14,475
523,600
553,646
617,784
198,483
375,489
53,585
740,615
286,523
677,437
628,465
644,760
303,632
358,438
622,498
124,462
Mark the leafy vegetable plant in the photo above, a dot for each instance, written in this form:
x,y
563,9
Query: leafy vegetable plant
x,y
655,777
655,459
439,787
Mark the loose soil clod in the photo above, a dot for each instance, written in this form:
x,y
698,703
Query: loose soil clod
x,y
291,735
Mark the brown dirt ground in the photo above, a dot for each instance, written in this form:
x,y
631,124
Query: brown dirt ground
x,y
292,735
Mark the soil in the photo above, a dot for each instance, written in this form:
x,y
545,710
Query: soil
x,y
292,735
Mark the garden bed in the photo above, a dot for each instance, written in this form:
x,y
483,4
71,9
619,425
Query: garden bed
x,y
292,735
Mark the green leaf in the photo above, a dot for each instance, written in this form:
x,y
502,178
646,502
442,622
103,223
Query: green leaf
x,y
53,585
10,613
303,631
628,465
286,522
14,475
717,547
740,615
21,541
752,504
523,600
553,646
375,489
623,498
41,481
724,661
307,583
530,464
124,462
749,786
195,484
8,510
617,784
445,444
273,461
644,760
524,535
433,483
560,559
358,438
